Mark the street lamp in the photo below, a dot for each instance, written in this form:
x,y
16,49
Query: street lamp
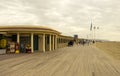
x,y
95,28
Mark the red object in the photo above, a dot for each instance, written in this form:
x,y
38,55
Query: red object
x,y
17,46
28,50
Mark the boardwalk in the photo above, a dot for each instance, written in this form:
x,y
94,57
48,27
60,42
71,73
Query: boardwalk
x,y
69,61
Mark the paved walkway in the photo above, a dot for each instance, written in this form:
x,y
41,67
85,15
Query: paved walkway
x,y
69,61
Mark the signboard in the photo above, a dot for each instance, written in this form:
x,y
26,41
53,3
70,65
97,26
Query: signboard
x,y
75,36
3,43
12,47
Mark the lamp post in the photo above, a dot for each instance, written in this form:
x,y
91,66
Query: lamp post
x,y
95,28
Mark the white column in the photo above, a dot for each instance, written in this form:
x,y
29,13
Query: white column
x,y
49,42
32,47
53,43
43,42
56,42
18,38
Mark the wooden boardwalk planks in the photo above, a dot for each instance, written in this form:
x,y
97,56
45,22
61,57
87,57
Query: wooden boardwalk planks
x,y
69,61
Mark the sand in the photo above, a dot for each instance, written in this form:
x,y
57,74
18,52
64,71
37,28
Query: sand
x,y
112,48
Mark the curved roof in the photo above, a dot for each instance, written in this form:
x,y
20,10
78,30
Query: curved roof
x,y
25,28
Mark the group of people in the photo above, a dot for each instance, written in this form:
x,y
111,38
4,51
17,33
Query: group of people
x,y
86,42
82,42
70,43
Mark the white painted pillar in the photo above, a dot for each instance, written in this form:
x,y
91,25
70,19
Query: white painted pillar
x,y
18,37
43,42
53,42
49,42
32,47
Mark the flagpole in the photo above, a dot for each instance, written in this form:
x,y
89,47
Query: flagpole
x,y
95,33
92,32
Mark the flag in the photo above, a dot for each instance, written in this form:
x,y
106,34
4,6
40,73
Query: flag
x,y
91,27
97,27
94,27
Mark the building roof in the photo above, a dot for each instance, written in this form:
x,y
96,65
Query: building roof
x,y
22,28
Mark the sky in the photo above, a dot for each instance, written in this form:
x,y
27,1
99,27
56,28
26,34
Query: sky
x,y
70,17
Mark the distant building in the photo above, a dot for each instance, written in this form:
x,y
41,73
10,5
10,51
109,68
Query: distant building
x,y
75,36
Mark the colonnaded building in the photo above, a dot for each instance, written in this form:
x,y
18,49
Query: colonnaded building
x,y
22,39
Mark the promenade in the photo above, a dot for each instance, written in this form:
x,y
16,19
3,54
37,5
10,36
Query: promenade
x,y
68,61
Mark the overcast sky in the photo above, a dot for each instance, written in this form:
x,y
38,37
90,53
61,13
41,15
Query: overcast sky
x,y
67,16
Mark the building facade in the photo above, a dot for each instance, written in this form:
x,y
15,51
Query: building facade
x,y
31,39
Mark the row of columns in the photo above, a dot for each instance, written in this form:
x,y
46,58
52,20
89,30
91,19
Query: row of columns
x,y
52,42
51,37
63,40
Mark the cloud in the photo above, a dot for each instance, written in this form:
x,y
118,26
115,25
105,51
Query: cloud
x,y
13,13
67,16
14,18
